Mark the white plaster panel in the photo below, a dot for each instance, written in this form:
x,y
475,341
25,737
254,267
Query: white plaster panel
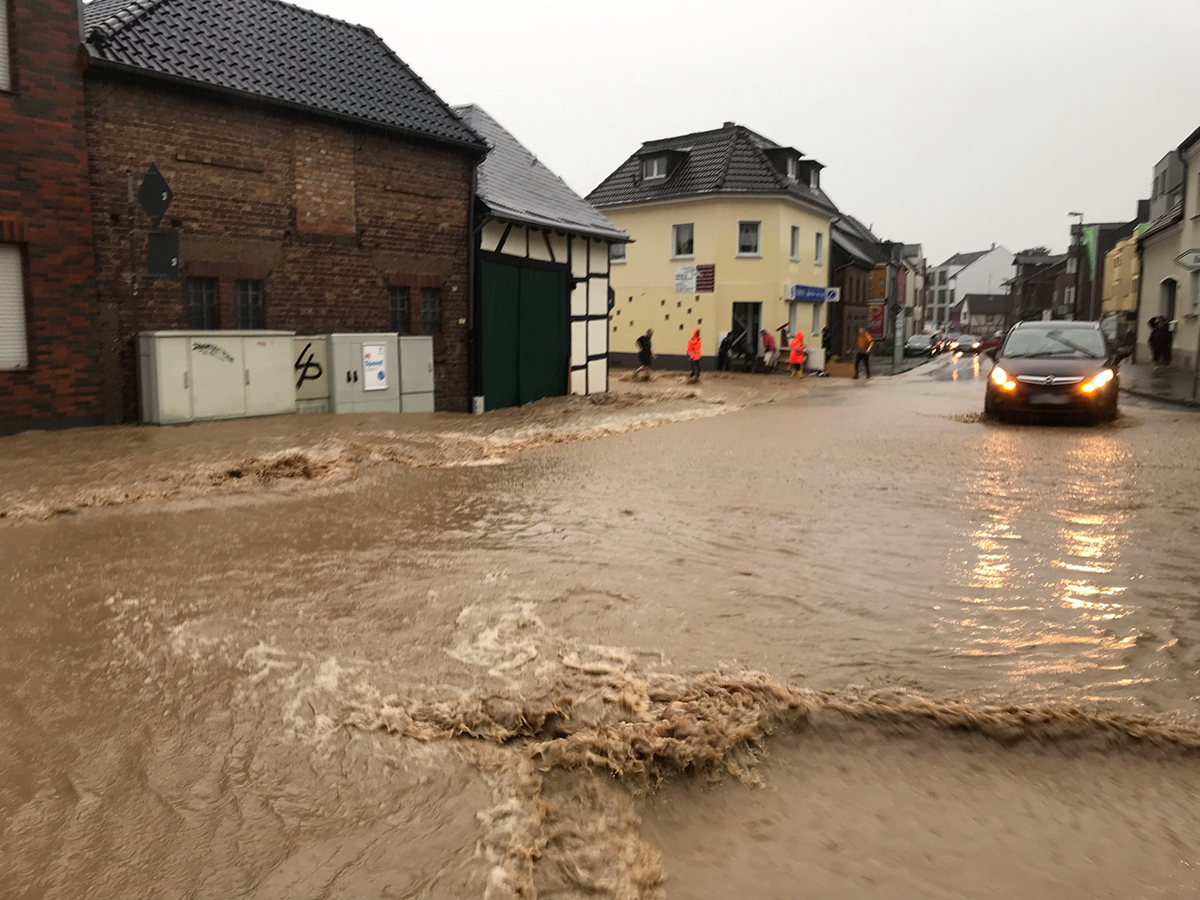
x,y
579,382
537,245
597,376
598,296
597,336
578,343
599,258
579,299
579,265
558,243
489,240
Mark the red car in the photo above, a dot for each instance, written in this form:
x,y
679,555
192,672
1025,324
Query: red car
x,y
991,343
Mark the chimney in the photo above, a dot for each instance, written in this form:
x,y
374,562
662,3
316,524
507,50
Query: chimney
x,y
729,125
993,245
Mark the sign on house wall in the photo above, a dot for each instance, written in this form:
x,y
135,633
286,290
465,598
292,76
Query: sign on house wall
x,y
375,375
877,320
811,293
695,279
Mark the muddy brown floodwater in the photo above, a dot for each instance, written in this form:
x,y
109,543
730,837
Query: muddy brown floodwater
x,y
759,638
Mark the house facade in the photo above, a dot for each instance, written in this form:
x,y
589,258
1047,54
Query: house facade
x,y
48,350
729,231
1169,277
541,277
318,185
855,254
978,272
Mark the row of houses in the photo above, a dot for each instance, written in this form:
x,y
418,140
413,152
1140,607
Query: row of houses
x,y
248,164
208,165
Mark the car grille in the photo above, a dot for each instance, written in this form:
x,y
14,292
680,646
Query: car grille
x,y
1050,380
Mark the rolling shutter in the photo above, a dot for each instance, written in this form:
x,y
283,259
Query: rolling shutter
x,y
14,348
5,66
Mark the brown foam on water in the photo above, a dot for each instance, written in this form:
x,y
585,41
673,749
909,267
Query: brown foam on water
x,y
581,752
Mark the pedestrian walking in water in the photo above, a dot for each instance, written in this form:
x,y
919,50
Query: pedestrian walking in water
x,y
645,355
796,355
770,351
693,352
723,350
862,351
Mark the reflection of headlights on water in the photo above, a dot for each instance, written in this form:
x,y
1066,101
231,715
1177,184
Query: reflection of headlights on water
x,y
1000,379
1098,381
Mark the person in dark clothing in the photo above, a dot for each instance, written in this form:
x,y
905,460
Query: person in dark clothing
x,y
1160,341
645,355
827,342
723,349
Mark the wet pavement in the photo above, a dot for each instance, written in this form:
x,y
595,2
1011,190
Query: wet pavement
x,y
762,637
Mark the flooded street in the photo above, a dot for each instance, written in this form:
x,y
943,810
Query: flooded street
x,y
822,639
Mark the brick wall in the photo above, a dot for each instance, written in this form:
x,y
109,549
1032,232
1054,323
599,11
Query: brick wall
x,y
325,215
44,208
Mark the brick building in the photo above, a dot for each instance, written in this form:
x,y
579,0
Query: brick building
x,y
319,185
48,373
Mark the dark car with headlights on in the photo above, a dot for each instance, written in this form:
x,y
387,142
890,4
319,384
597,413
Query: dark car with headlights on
x,y
965,343
1054,367
920,345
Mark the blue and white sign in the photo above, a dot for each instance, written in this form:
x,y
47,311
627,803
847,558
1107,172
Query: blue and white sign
x,y
375,376
811,293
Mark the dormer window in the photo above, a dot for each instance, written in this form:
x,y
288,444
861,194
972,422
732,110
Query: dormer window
x,y
814,178
654,168
793,169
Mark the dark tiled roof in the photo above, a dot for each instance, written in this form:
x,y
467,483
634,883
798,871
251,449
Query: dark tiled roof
x,y
274,51
514,184
856,240
965,259
987,304
728,160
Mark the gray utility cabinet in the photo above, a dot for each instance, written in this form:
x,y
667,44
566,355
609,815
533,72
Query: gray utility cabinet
x,y
380,373
363,371
187,376
416,373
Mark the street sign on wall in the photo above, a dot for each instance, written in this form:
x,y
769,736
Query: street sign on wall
x,y
155,194
1189,260
811,293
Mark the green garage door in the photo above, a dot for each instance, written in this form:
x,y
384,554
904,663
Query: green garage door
x,y
526,349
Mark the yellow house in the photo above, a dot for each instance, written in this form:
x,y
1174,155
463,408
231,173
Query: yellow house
x,y
1121,276
729,230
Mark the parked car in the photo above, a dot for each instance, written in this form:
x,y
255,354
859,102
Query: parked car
x,y
1054,367
919,345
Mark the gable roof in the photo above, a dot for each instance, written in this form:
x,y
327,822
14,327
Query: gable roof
x,y
987,304
514,184
966,259
727,160
856,240
272,51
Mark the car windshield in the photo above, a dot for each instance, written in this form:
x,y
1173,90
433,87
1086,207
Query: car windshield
x,y
919,340
967,339
1082,342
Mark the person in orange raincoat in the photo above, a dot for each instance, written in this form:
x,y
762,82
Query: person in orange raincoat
x,y
796,353
693,352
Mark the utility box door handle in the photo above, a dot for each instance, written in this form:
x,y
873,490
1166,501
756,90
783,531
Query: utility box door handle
x,y
247,371
187,380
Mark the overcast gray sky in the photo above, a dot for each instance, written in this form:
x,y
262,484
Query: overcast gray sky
x,y
953,123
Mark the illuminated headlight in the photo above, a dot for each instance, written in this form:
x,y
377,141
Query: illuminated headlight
x,y
1000,379
954,345
1099,381
975,346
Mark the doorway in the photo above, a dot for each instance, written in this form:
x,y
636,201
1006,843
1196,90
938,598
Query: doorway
x,y
746,325
1166,299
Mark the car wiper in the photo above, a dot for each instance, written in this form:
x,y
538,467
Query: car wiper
x,y
1057,336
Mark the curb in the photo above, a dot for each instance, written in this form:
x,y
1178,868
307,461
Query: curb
x,y
1163,398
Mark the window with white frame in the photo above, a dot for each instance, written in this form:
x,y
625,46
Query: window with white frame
x,y
749,234
654,168
795,243
14,346
819,250
616,254
5,50
682,245
793,169
814,178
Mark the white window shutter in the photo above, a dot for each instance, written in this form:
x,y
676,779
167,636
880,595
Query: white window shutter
x,y
5,65
14,347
